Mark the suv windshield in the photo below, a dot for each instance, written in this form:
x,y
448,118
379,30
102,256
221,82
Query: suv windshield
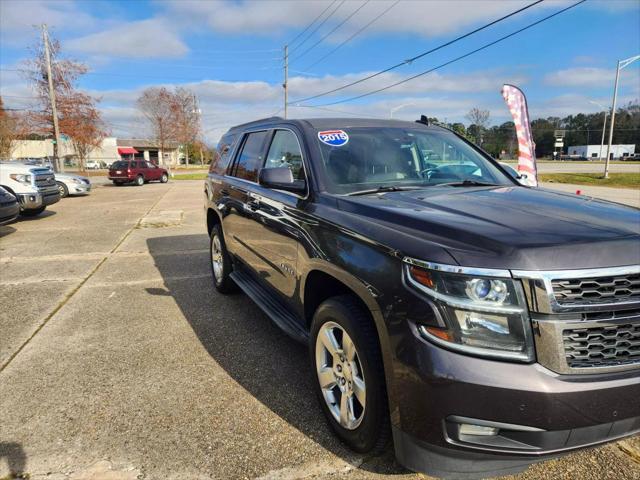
x,y
377,158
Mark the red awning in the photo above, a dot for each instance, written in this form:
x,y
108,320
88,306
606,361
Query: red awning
x,y
126,150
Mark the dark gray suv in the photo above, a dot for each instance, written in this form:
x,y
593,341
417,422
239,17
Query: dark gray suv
x,y
479,324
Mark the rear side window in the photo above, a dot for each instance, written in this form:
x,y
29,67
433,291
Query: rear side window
x,y
118,165
222,155
250,158
285,152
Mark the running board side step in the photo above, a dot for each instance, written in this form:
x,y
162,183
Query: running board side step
x,y
272,306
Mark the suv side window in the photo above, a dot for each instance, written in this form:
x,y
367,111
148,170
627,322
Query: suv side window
x,y
250,158
285,152
222,155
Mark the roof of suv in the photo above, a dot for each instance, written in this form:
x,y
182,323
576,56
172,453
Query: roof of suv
x,y
329,123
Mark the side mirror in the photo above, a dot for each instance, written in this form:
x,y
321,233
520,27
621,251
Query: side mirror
x,y
281,178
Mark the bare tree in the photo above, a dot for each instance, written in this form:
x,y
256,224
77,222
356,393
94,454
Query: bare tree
x,y
78,116
12,129
158,105
187,118
480,119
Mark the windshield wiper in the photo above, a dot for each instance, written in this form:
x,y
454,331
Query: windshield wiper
x,y
382,189
469,183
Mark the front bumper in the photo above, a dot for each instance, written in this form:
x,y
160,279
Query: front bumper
x,y
542,413
78,188
41,198
9,211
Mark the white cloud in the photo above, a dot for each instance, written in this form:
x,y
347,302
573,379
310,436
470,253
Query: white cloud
x,y
18,17
424,18
150,38
590,77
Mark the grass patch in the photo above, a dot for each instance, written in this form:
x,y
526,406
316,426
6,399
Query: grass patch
x,y
189,176
622,180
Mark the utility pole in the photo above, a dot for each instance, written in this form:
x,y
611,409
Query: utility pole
x,y
286,78
59,166
621,64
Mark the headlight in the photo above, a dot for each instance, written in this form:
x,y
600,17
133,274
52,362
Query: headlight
x,y
76,180
22,178
483,311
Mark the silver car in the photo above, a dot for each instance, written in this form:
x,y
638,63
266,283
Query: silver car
x,y
69,184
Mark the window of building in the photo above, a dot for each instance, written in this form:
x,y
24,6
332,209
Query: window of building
x,y
250,158
285,152
594,154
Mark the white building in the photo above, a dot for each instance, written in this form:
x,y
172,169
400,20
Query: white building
x,y
107,153
592,152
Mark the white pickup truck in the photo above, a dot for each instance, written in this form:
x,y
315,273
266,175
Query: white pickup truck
x,y
35,187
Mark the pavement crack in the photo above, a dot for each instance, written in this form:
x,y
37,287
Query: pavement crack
x,y
629,450
70,295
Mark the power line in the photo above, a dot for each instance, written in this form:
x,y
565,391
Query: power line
x,y
309,26
332,30
455,59
410,60
317,27
378,17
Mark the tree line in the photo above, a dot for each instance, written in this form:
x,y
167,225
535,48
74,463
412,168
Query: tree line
x,y
579,129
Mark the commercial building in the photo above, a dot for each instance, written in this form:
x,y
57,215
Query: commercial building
x,y
592,152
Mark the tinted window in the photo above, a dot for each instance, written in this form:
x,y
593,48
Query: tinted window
x,y
222,155
119,165
134,164
150,165
285,152
250,158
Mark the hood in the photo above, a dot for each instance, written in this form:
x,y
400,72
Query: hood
x,y
509,227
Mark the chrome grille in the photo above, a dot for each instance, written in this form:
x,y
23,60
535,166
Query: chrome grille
x,y
606,346
45,180
590,291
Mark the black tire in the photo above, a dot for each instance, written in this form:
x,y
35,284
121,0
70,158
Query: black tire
x,y
32,212
139,180
373,433
117,183
164,178
223,283
64,191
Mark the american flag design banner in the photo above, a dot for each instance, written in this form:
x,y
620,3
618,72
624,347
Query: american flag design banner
x,y
517,104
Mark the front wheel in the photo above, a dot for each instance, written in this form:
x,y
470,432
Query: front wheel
x,y
345,354
32,212
62,188
164,178
139,180
220,262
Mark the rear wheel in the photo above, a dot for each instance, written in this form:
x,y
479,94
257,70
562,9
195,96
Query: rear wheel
x,y
64,191
345,354
32,212
220,262
139,180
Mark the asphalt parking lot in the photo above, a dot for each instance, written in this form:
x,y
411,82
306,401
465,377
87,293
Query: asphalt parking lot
x,y
119,361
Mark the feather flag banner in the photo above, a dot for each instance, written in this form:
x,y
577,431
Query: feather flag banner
x,y
517,104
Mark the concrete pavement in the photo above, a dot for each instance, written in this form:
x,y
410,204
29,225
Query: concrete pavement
x,y
118,360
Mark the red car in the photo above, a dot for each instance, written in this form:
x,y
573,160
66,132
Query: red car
x,y
136,171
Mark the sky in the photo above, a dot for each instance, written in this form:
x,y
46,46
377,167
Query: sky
x,y
230,53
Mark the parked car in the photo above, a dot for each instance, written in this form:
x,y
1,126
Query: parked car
x,y
93,165
137,172
9,207
479,324
69,184
34,187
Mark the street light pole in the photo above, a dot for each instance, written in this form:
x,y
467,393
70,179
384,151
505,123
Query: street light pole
x,y
395,109
621,64
57,164
604,126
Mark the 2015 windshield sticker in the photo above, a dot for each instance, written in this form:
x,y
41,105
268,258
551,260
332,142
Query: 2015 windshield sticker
x,y
335,138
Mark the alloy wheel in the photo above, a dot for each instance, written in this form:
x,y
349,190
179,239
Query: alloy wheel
x,y
216,258
340,375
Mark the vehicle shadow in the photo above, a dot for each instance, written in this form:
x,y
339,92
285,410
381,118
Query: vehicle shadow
x,y
252,350
15,458
45,214
6,230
